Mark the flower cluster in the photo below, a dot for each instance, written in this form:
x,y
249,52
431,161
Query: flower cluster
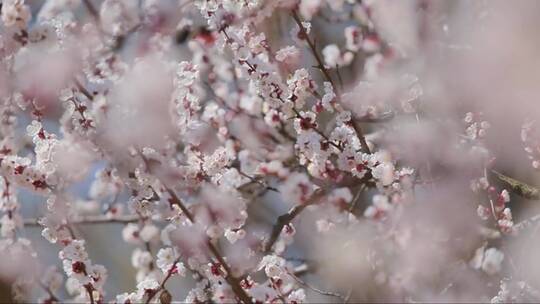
x,y
529,137
230,148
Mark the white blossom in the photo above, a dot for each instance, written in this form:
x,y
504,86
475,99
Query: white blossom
x,y
492,262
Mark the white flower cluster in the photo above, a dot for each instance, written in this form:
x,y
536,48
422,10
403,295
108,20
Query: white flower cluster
x,y
15,13
529,137
85,279
240,145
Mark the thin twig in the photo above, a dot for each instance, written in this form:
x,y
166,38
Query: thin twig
x,y
311,45
288,217
101,219
327,76
339,77
170,272
233,281
383,117
253,179
91,9
320,291
299,115
83,90
356,198
361,136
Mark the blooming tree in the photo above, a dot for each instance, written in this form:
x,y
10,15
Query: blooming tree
x,y
278,151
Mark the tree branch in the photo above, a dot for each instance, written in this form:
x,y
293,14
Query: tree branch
x,y
288,217
519,187
356,198
230,278
317,290
94,219
83,90
311,45
91,9
162,285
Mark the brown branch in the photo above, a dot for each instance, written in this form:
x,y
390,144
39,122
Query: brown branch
x,y
162,285
298,115
288,217
233,281
91,9
230,278
83,90
90,291
361,136
311,45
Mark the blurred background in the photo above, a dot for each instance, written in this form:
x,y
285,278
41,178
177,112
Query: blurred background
x,y
448,58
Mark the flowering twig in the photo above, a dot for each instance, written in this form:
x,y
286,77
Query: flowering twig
x,y
320,63
327,76
230,278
